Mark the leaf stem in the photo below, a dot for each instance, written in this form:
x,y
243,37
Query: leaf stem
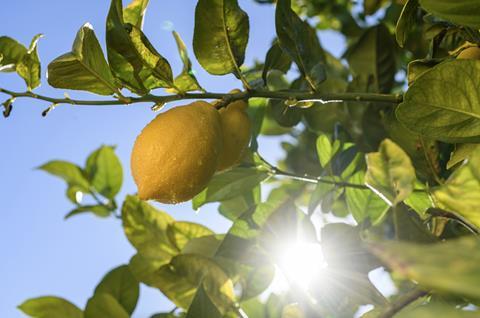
x,y
402,302
307,178
283,95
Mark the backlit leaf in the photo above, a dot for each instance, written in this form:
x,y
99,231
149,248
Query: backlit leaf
x,y
374,55
461,12
133,59
104,171
122,285
229,184
180,233
300,41
450,267
29,66
50,307
84,68
134,12
406,21
104,306
444,103
146,229
71,173
390,173
220,36
461,192
364,203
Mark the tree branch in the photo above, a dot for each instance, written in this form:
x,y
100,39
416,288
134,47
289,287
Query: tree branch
x,y
285,95
402,302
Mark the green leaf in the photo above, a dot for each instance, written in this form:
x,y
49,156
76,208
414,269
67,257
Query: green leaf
x,y
461,12
461,192
186,81
461,152
241,239
104,171
419,201
409,226
326,194
202,306
256,280
50,307
71,173
276,59
437,310
179,280
325,150
12,52
104,306
133,59
349,262
406,22
416,68
84,68
75,194
299,40
146,229
144,268
371,6
390,173
229,184
374,55
29,65
220,36
233,208
205,245
443,103
16,57
99,210
180,233
121,285
152,60
450,267
364,203
134,12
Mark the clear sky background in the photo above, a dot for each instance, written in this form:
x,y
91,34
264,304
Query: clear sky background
x,y
40,253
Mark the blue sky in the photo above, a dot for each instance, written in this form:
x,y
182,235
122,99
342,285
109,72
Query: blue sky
x,y
41,254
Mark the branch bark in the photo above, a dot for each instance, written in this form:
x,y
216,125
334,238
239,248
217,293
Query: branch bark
x,y
227,97
403,302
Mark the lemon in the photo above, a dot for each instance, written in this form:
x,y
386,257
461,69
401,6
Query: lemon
x,y
176,154
471,53
236,133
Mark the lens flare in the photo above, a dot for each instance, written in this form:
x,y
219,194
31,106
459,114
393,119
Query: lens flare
x,y
301,263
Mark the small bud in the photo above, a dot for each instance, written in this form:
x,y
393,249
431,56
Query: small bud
x,y
49,109
8,106
158,106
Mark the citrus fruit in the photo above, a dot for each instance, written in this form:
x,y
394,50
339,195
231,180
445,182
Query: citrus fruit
x,y
236,133
177,153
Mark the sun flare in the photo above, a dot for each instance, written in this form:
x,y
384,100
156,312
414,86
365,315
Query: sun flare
x,y
301,263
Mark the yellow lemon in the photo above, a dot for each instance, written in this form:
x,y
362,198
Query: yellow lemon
x,y
177,153
236,133
471,53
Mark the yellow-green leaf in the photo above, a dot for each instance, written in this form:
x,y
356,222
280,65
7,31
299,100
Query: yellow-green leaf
x,y
461,192
390,173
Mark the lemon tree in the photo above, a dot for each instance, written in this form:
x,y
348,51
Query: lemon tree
x,y
380,165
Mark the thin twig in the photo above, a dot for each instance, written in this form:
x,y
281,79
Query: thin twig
x,y
403,302
284,95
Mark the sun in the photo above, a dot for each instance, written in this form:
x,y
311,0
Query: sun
x,y
301,263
